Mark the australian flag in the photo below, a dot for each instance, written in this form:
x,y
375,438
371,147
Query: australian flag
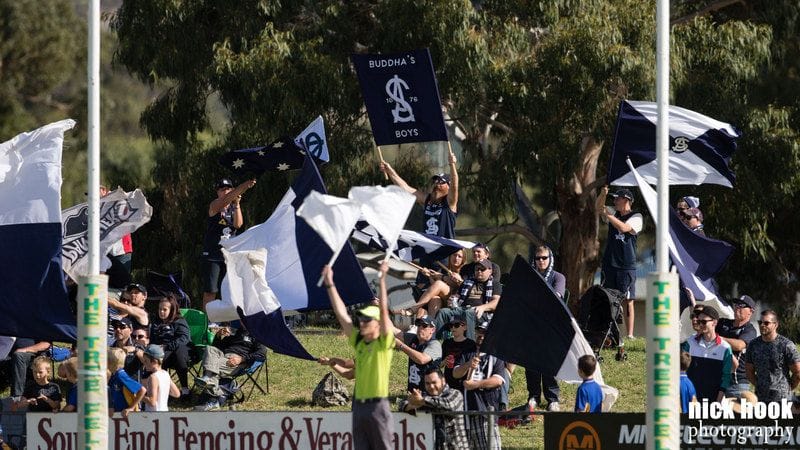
x,y
700,148
279,156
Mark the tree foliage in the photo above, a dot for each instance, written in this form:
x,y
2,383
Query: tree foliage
x,y
534,86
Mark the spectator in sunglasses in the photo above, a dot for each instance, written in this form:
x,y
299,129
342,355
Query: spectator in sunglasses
x,y
712,357
454,347
772,362
693,218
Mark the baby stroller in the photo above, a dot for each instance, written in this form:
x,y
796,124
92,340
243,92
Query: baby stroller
x,y
599,319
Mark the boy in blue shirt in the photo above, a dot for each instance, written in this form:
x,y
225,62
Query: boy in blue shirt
x,y
124,393
589,397
688,393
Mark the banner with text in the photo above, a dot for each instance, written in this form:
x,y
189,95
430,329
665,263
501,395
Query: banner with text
x,y
401,96
224,430
627,431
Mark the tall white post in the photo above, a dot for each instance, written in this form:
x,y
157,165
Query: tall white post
x,y
663,371
92,289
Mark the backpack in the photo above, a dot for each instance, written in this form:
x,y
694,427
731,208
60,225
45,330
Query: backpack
x,y
330,392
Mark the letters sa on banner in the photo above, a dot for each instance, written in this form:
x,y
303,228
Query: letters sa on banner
x,y
401,96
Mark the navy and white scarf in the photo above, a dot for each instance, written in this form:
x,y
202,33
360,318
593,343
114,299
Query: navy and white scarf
x,y
548,274
467,285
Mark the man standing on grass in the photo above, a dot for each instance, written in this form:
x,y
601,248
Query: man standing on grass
x,y
373,341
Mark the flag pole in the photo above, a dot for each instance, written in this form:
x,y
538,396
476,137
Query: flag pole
x,y
662,347
330,263
380,155
93,288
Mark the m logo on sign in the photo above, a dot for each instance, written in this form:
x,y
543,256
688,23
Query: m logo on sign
x,y
394,89
579,435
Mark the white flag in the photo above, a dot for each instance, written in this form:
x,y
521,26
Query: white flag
x,y
313,140
385,208
333,218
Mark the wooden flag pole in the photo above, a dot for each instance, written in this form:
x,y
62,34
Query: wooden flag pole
x,y
380,155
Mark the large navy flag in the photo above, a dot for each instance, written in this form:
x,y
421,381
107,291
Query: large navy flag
x,y
401,96
411,245
297,253
700,148
696,258
248,292
529,312
33,297
279,156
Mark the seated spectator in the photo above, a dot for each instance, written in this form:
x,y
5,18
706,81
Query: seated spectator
x,y
454,347
479,294
480,252
141,339
123,328
159,384
589,397
124,393
170,331
421,348
228,354
131,305
712,358
772,361
449,432
42,395
688,393
483,379
22,354
442,285
68,370
739,332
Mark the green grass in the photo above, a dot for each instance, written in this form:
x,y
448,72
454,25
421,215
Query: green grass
x,y
291,382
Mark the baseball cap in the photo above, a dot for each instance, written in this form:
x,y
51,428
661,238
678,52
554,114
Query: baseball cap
x,y
122,321
459,319
224,182
485,263
484,325
746,300
424,322
154,351
137,286
483,246
710,311
371,312
624,193
443,177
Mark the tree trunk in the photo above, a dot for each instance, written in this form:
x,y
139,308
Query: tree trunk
x,y
579,221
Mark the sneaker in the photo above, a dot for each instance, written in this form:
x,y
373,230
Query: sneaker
x,y
532,404
620,354
554,407
208,406
203,381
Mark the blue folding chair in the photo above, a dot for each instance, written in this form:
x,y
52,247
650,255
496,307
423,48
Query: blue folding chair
x,y
236,391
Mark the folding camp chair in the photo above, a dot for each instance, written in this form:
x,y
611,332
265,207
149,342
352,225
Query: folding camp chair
x,y
236,391
200,335
160,284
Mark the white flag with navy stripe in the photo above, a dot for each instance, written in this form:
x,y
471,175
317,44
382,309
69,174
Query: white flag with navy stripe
x,y
410,245
700,148
33,297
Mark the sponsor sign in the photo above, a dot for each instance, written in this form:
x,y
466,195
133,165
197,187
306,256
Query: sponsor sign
x,y
627,431
401,97
224,431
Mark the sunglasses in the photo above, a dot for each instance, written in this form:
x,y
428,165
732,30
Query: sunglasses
x,y
703,321
456,325
120,327
481,269
364,319
439,181
765,322
542,258
140,336
741,306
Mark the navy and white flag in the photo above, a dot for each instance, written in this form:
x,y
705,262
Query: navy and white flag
x,y
121,213
313,140
411,245
700,148
696,258
246,290
33,298
279,156
297,253
401,96
529,312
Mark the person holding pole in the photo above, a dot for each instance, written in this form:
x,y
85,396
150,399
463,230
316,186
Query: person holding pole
x,y
373,340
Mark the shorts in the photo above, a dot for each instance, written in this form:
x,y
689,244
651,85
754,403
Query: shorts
x,y
735,390
212,273
623,280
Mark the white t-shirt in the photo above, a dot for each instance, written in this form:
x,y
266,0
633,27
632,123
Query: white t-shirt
x,y
163,380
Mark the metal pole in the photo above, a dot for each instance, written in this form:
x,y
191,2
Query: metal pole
x,y
663,375
92,289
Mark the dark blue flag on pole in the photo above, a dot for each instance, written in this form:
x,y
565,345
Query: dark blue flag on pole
x,y
281,155
401,96
700,147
